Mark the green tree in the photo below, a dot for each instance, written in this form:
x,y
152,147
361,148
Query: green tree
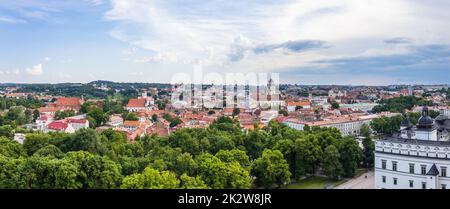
x,y
86,107
271,169
3,105
234,155
331,165
94,171
386,125
399,104
221,142
51,173
434,113
220,175
36,141
161,104
184,140
10,148
49,151
112,107
414,117
17,114
154,117
368,152
7,131
131,116
84,139
334,105
36,115
12,173
308,155
365,131
188,182
28,115
254,143
226,124
98,117
184,164
350,154
61,114
174,121
151,179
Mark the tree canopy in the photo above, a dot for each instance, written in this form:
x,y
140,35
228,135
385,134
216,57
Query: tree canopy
x,y
221,156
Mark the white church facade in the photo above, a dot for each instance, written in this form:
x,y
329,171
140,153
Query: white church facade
x,y
416,158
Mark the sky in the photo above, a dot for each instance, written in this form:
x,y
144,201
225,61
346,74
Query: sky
x,y
345,42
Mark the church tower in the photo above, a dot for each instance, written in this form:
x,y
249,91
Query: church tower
x,y
425,127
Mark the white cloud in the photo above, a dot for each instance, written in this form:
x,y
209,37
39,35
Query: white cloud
x,y
95,2
211,31
35,70
47,59
14,72
11,20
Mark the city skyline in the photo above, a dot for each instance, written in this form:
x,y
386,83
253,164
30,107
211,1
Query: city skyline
x,y
206,84
321,42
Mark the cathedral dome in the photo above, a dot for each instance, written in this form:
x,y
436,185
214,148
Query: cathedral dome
x,y
425,121
406,122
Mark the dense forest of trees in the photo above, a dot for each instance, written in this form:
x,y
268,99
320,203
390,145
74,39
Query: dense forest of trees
x,y
399,104
30,102
221,156
127,90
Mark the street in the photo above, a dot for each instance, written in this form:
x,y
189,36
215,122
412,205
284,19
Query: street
x,y
360,182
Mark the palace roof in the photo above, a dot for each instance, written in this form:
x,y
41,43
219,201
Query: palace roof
x,y
398,139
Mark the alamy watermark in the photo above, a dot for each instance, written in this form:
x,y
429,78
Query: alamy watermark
x,y
229,90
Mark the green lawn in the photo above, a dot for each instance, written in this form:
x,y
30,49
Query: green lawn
x,y
314,183
321,182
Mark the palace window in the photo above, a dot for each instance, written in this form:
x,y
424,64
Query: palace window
x,y
383,179
444,171
394,166
383,164
411,184
444,186
411,168
424,185
395,181
423,169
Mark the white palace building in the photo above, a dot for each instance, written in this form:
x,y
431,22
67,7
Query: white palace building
x,y
416,158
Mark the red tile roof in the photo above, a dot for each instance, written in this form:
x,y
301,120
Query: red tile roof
x,y
48,109
131,123
228,110
136,103
43,117
299,103
68,101
57,125
158,129
83,121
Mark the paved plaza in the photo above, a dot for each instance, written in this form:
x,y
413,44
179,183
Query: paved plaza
x,y
360,182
